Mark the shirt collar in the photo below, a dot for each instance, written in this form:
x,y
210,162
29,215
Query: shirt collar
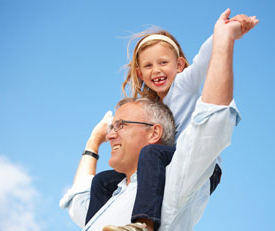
x,y
122,185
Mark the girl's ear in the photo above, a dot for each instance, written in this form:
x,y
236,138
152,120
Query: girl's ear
x,y
181,64
156,134
139,74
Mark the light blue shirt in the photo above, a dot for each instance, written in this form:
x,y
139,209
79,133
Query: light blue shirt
x,y
187,176
185,90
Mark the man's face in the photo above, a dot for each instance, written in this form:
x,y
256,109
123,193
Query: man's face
x,y
128,141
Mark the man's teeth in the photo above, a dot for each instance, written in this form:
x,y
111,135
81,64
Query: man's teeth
x,y
159,79
117,146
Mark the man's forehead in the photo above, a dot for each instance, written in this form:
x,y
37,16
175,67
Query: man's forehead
x,y
129,111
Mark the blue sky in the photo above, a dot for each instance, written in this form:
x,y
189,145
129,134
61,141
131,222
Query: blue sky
x,y
61,70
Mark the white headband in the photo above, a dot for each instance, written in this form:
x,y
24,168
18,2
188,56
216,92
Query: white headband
x,y
159,37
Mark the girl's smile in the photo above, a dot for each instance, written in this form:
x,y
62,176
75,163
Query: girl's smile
x,y
159,81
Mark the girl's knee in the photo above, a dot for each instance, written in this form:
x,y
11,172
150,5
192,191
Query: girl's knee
x,y
99,178
155,152
150,151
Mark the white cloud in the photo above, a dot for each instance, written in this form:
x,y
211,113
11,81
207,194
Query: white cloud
x,y
17,197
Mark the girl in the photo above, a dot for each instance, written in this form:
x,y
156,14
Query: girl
x,y
158,70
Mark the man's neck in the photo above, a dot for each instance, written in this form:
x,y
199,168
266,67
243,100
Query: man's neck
x,y
130,177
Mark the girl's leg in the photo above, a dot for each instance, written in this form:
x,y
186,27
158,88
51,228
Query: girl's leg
x,y
152,164
103,186
215,178
153,160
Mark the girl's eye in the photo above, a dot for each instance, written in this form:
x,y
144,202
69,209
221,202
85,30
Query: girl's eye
x,y
163,62
147,65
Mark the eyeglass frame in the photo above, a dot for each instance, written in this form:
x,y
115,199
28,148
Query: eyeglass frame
x,y
121,122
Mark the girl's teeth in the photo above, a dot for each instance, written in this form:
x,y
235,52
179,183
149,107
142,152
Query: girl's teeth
x,y
159,79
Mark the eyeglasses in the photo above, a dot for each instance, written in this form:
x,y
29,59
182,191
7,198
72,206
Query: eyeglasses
x,y
118,125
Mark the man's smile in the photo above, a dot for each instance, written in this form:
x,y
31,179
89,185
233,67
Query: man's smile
x,y
116,146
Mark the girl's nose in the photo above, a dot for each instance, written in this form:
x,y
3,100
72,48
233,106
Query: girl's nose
x,y
156,69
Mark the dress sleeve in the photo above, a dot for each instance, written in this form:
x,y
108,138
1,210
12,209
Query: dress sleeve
x,y
193,76
77,199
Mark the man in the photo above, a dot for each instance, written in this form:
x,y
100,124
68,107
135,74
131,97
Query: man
x,y
187,176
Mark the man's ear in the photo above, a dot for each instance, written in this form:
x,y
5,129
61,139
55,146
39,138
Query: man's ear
x,y
139,74
156,134
181,64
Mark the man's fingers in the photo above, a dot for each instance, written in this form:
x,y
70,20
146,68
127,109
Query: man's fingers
x,y
247,23
252,22
256,21
242,20
107,116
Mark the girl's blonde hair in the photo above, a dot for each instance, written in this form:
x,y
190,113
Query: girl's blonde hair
x,y
137,86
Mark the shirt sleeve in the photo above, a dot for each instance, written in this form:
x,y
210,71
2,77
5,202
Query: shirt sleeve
x,y
207,135
77,199
192,77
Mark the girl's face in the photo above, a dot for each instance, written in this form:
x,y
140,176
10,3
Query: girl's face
x,y
158,66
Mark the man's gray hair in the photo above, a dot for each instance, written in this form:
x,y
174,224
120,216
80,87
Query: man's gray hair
x,y
158,113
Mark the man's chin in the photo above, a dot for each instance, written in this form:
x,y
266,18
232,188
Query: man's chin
x,y
113,163
116,166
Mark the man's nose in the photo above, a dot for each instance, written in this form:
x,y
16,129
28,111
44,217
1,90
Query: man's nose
x,y
111,134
